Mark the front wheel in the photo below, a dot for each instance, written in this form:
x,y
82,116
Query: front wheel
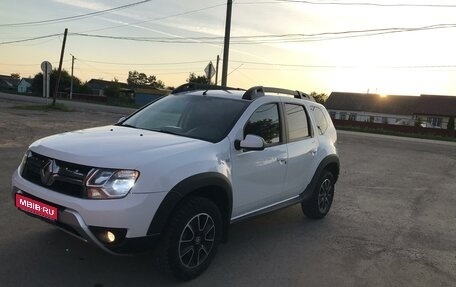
x,y
191,239
318,205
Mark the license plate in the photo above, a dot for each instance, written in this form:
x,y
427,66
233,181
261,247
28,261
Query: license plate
x,y
36,207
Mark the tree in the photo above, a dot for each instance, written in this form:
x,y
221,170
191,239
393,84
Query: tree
x,y
16,76
112,90
193,78
319,98
137,79
83,88
65,82
450,125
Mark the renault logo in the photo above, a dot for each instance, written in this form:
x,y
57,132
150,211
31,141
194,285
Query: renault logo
x,y
49,172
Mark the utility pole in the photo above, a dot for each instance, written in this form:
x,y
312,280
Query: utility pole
x,y
71,85
226,46
56,90
217,69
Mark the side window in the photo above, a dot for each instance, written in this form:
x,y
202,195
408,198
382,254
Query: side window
x,y
298,126
320,119
265,123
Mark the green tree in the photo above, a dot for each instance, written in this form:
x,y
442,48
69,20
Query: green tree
x,y
113,90
193,78
83,88
450,125
319,98
65,82
16,76
137,79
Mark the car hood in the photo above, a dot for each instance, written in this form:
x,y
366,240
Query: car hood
x,y
114,146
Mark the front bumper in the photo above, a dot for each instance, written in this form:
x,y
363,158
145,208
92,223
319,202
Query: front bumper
x,y
79,217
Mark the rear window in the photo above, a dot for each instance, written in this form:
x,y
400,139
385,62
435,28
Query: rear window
x,y
320,119
298,126
202,117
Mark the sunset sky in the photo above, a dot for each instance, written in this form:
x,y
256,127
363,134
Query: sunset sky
x,y
386,47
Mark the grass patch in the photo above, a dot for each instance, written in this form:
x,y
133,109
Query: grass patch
x,y
121,102
400,134
46,108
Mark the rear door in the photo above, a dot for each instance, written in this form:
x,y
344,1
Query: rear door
x,y
302,148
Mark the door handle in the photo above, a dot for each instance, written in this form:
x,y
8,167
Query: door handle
x,y
314,151
282,160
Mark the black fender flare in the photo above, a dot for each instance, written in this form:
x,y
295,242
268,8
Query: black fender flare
x,y
186,187
330,162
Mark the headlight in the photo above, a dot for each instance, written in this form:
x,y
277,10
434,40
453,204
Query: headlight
x,y
108,183
24,161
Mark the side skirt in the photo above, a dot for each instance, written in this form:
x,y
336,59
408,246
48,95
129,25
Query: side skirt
x,y
268,209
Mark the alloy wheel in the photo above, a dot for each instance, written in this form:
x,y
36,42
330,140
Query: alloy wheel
x,y
196,240
325,195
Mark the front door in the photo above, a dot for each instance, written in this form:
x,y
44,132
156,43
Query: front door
x,y
258,176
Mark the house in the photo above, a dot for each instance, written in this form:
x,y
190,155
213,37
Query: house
x,y
144,95
8,83
24,85
98,86
435,111
372,108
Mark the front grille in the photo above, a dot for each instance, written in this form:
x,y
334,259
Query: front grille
x,y
60,176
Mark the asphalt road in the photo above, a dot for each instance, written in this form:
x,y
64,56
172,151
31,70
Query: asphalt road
x,y
393,223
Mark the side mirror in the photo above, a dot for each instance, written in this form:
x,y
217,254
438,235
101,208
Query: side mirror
x,y
121,119
251,142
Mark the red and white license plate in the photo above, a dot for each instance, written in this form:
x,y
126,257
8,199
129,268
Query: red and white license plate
x,y
36,207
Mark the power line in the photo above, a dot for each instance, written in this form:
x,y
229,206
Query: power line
x,y
449,66
344,67
144,64
275,39
76,17
256,39
30,39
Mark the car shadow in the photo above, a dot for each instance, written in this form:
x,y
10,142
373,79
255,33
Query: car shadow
x,y
49,257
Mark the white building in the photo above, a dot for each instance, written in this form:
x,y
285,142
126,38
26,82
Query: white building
x,y
372,108
24,85
426,110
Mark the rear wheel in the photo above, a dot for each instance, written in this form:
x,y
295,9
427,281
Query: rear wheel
x,y
318,205
191,239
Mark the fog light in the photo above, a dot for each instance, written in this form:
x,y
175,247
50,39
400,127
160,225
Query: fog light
x,y
110,237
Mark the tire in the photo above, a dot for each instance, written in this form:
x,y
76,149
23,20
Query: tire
x,y
191,239
318,205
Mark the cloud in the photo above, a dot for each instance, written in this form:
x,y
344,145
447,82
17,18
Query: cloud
x,y
91,5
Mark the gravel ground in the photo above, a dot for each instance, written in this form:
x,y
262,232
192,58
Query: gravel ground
x,y
393,222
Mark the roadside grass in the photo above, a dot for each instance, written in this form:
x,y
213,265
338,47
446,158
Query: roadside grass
x,y
126,103
46,108
400,134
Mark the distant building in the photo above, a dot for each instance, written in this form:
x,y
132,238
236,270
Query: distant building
x,y
144,96
8,83
98,86
24,85
435,110
371,108
426,110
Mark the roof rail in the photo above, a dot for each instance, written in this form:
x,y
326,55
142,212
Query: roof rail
x,y
196,86
259,91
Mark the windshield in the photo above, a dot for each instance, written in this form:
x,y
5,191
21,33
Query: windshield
x,y
202,117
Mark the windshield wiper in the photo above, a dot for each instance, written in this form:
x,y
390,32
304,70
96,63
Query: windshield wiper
x,y
166,131
127,125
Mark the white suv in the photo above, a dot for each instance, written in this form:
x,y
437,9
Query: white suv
x,y
177,172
